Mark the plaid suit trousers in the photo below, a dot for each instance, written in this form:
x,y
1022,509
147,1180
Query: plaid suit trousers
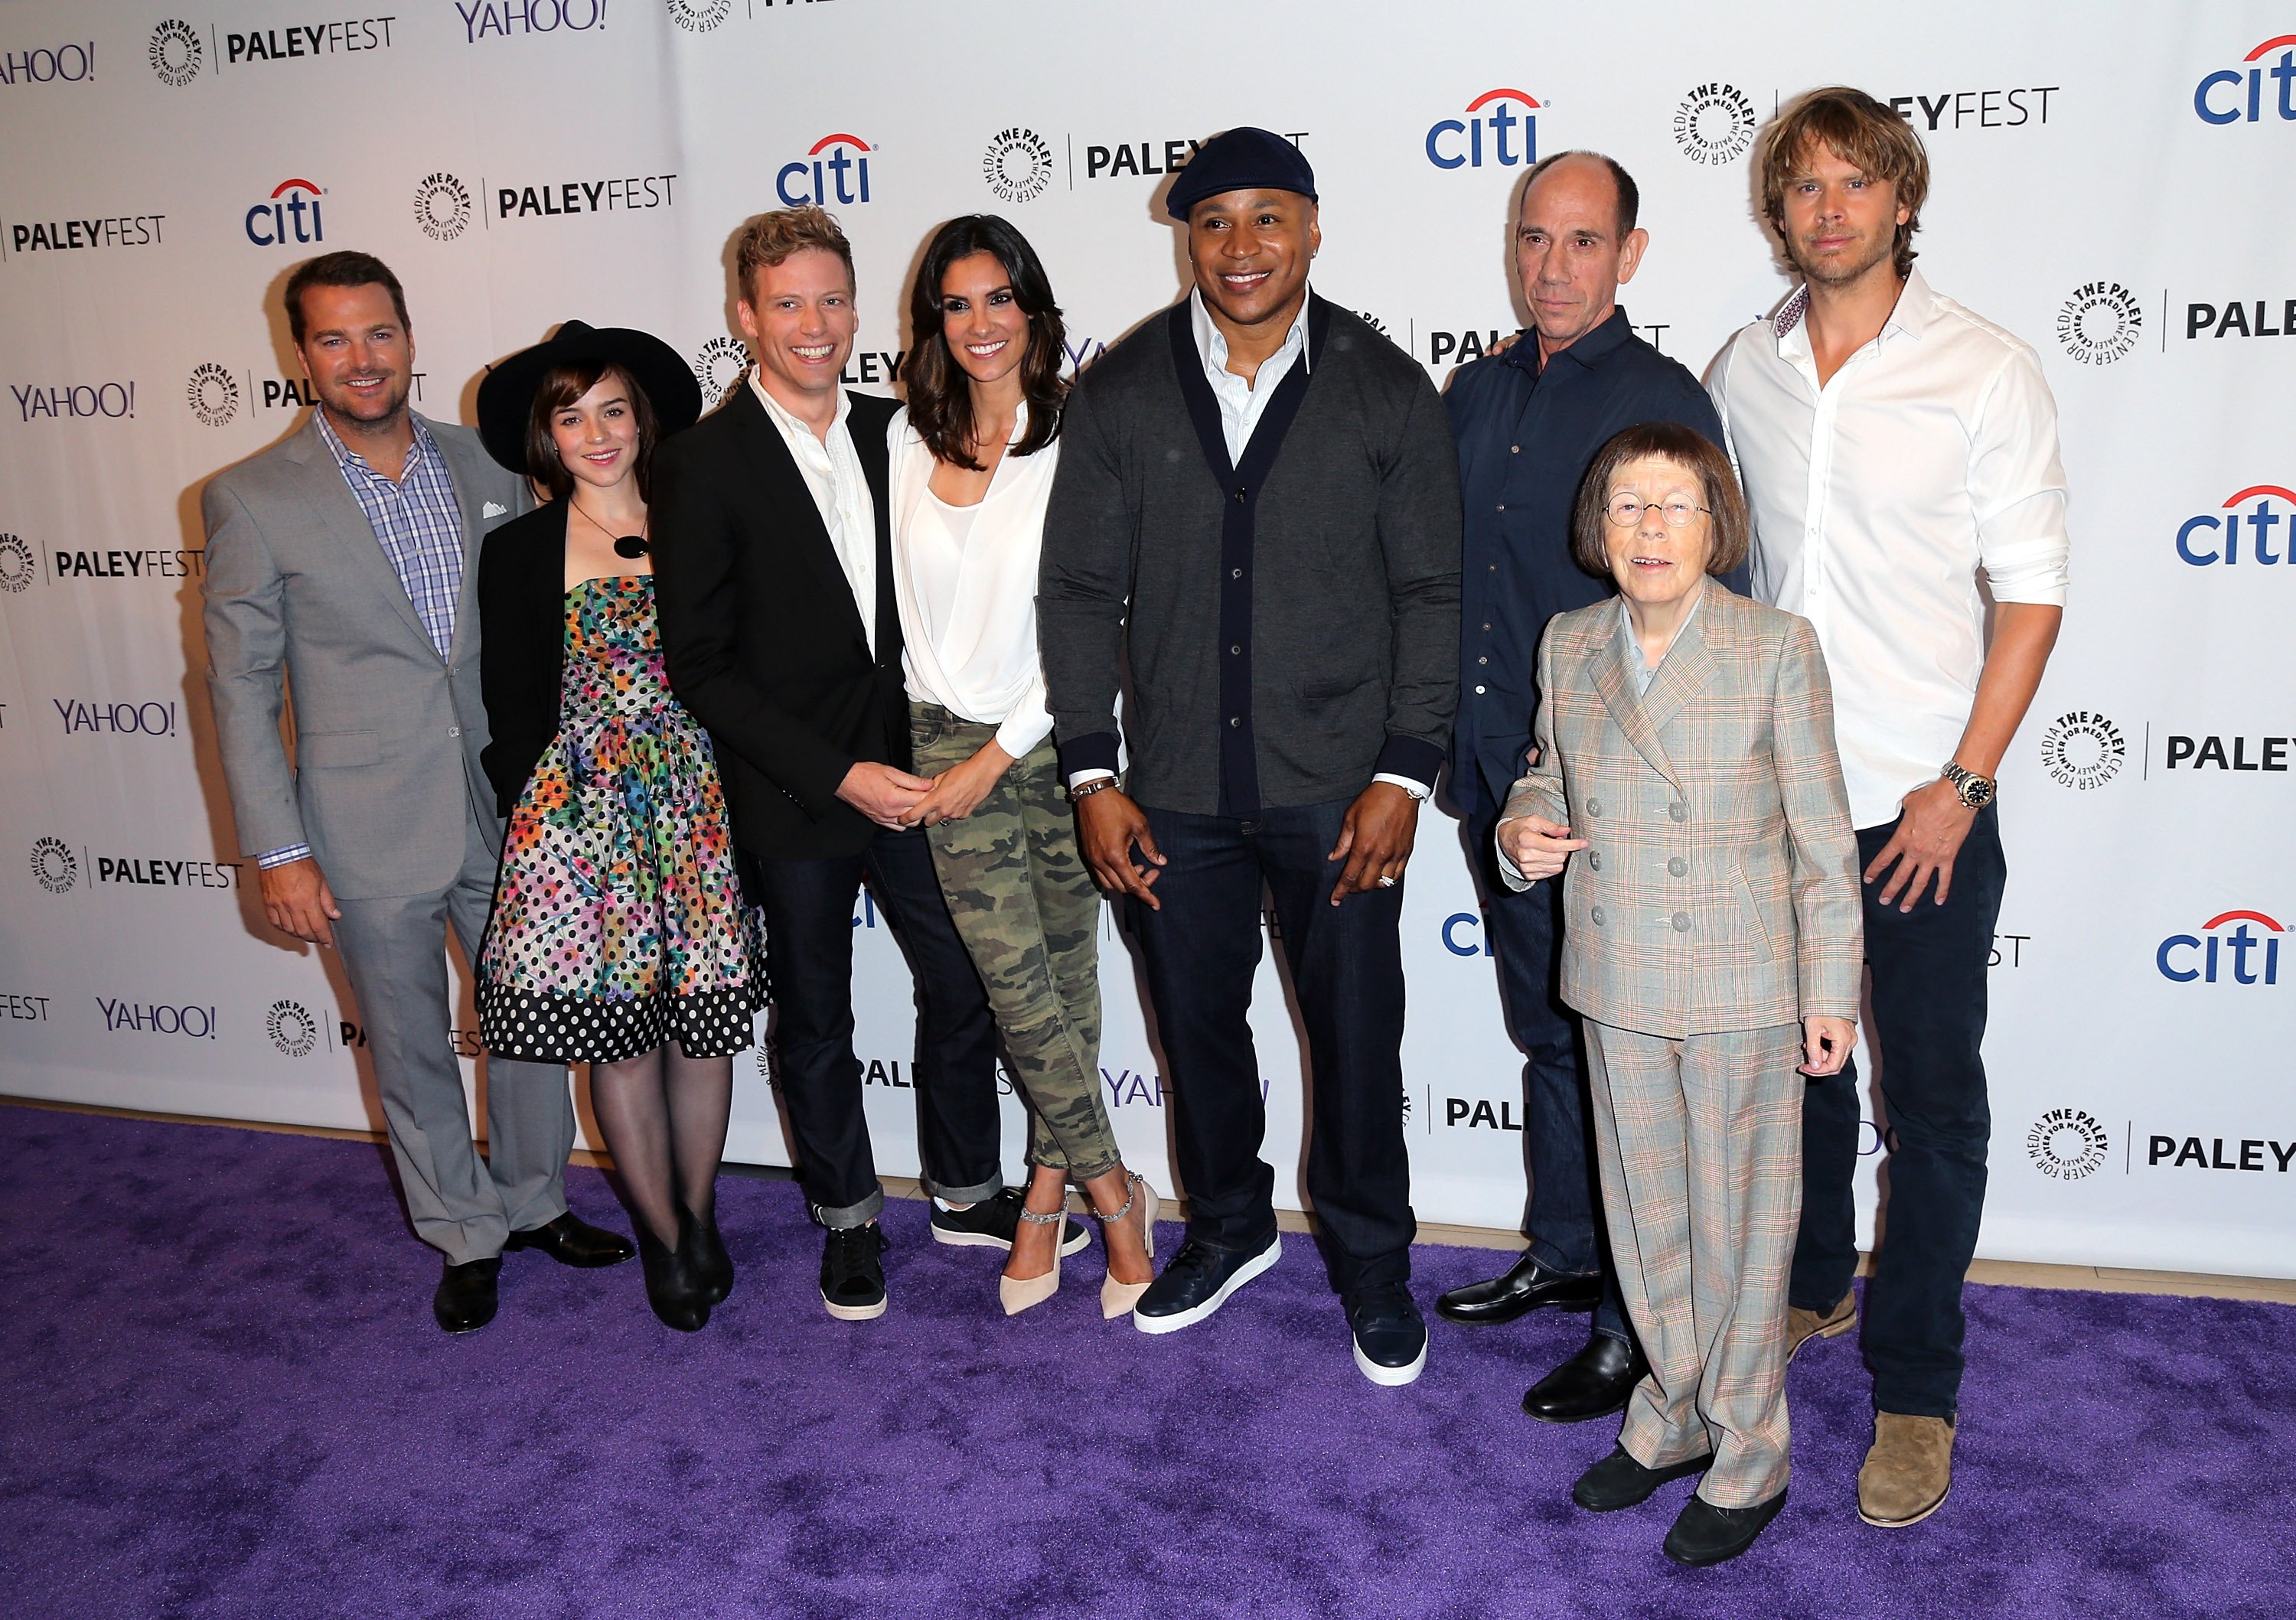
x,y
1699,1140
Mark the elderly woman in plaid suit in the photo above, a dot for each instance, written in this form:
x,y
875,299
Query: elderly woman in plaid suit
x,y
1685,774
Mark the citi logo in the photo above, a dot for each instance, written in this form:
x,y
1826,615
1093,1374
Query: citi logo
x,y
2214,537
2232,95
1462,935
2240,956
1459,143
834,169
293,207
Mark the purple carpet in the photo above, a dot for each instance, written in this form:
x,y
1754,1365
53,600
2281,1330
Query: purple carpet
x,y
223,1395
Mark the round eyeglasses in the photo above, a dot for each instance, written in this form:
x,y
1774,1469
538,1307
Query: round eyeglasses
x,y
1626,511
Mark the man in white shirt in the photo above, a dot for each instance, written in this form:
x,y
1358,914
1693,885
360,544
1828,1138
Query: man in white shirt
x,y
1894,445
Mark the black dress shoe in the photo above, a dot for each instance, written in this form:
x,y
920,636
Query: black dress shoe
x,y
571,1240
704,1249
467,1296
1391,1334
1595,1383
1619,1481
1707,1535
1527,1287
672,1289
1197,1281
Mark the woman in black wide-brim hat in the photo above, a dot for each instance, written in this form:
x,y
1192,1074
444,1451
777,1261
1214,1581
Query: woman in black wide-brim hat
x,y
618,937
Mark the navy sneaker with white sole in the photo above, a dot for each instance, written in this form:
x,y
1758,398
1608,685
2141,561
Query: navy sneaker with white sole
x,y
1390,1334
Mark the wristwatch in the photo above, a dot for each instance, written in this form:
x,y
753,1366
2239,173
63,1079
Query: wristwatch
x,y
1976,791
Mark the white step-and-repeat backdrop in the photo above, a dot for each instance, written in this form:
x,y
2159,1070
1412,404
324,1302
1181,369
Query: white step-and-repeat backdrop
x,y
2112,182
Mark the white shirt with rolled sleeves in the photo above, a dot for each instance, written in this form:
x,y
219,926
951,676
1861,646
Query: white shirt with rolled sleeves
x,y
1877,500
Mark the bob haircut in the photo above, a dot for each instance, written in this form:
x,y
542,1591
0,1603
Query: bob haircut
x,y
940,402
562,385
1859,130
1728,527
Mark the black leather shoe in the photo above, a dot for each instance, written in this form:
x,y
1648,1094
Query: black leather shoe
x,y
1595,1383
1196,1282
990,1224
1707,1535
467,1296
1527,1287
1619,1481
1391,1334
672,1289
704,1249
853,1272
571,1240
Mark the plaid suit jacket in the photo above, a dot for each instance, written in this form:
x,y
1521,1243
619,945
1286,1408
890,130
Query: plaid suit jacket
x,y
1719,888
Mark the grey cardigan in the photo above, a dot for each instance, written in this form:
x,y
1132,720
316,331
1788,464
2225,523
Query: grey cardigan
x,y
1354,565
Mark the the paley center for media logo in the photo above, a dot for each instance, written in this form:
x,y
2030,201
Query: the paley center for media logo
x,y
18,565
2100,322
1018,165
2083,750
717,365
177,53
2068,1144
293,1029
442,206
1714,124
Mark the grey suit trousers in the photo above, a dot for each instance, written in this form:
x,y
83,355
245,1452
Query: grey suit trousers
x,y
394,948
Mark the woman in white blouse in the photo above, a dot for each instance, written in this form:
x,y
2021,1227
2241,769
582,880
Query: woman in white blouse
x,y
972,459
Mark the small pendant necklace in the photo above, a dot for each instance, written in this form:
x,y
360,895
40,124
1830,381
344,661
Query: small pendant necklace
x,y
632,546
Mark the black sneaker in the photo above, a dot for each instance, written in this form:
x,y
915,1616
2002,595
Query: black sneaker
x,y
990,1223
1197,1282
1391,1334
852,1277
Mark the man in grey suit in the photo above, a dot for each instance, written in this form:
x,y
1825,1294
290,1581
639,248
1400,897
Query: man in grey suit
x,y
341,563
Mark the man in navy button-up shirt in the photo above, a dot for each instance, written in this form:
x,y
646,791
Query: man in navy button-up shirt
x,y
1528,421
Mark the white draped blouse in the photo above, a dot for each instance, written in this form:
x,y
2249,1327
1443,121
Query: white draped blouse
x,y
965,578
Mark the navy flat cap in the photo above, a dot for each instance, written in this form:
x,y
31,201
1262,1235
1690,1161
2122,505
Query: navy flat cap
x,y
1243,159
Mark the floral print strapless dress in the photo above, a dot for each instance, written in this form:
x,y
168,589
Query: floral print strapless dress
x,y
618,921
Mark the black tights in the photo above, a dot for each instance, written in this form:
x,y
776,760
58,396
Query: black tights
x,y
664,1118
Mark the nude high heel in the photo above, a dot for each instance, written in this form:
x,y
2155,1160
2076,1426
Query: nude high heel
x,y
1017,1294
1118,1298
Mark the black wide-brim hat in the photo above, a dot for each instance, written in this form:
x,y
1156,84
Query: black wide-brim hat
x,y
507,392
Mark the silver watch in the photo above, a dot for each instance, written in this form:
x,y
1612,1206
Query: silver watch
x,y
1976,791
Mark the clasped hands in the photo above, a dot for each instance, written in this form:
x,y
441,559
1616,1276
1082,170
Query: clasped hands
x,y
897,798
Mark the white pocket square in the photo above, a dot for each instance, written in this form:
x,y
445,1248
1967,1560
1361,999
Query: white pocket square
x,y
493,508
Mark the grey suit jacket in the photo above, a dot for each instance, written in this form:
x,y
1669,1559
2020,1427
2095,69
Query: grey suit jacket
x,y
301,595
1718,887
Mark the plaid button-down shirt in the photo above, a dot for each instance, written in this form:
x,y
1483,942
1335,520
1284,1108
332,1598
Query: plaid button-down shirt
x,y
417,520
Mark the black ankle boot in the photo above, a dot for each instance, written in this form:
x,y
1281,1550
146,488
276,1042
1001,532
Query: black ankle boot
x,y
704,1249
671,1289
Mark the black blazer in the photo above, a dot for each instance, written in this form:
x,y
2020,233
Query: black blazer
x,y
521,645
759,631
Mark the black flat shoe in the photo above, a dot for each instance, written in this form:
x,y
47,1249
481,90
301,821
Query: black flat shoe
x,y
671,1289
705,1251
571,1240
1619,1481
1595,1383
1527,1287
466,1296
1707,1535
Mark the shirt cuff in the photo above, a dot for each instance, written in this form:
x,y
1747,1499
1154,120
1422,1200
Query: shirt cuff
x,y
281,857
1412,758
1409,784
1021,732
1085,758
1508,870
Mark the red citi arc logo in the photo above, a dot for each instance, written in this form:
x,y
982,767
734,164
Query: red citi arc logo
x,y
2238,956
821,175
2230,96
2215,537
1459,143
294,219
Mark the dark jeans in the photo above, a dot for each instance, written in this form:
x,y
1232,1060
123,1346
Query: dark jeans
x,y
1563,1217
809,927
1200,951
1929,967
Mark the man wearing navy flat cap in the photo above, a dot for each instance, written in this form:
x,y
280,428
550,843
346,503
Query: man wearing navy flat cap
x,y
1257,512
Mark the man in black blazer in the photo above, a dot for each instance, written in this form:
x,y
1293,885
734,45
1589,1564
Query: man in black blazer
x,y
772,577
1257,510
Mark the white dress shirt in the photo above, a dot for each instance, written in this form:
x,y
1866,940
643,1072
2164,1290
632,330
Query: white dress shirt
x,y
1241,403
1931,455
965,580
840,491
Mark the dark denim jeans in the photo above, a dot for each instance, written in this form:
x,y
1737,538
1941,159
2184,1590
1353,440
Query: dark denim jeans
x,y
1929,967
1563,1217
1200,951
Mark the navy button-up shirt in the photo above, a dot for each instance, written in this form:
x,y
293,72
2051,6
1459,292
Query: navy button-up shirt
x,y
1526,438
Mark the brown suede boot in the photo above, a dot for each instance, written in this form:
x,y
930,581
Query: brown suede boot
x,y
1907,1473
1802,1326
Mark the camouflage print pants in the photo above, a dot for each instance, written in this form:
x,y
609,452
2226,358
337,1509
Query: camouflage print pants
x,y
1028,911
